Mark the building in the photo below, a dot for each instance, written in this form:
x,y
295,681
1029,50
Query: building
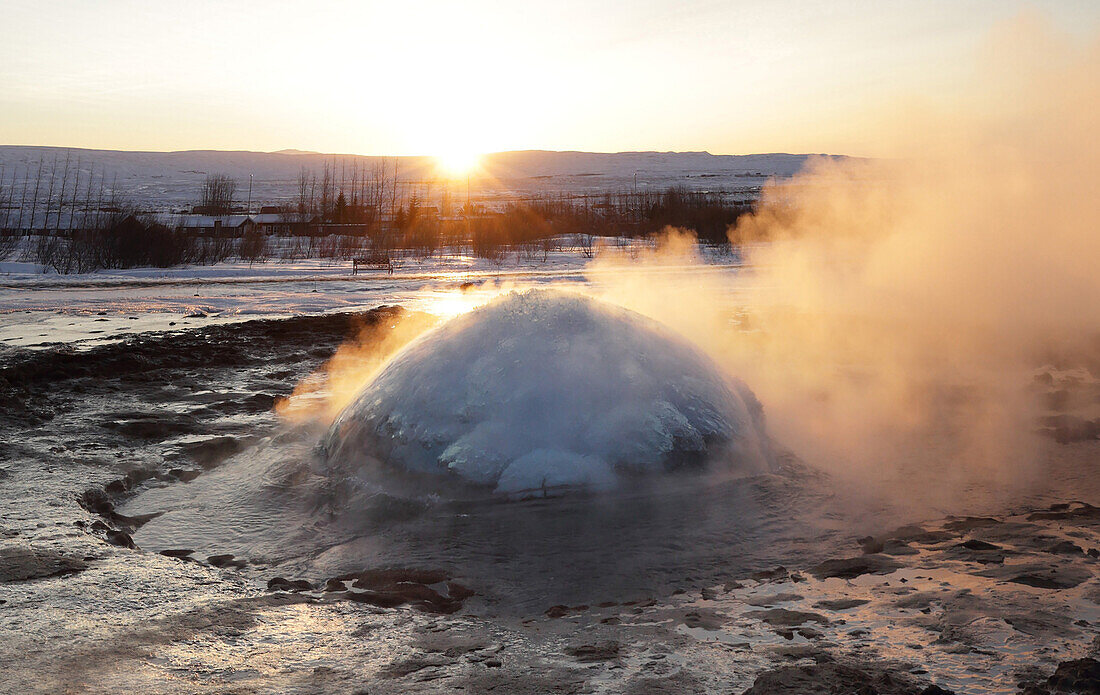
x,y
207,225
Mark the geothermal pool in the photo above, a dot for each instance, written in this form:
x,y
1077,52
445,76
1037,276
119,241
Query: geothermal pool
x,y
188,510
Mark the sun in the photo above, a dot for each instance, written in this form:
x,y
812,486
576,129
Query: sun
x,y
457,162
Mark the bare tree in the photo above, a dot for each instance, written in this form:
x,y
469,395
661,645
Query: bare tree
x,y
49,196
64,187
23,196
88,197
253,246
5,195
306,184
217,194
34,200
328,199
76,192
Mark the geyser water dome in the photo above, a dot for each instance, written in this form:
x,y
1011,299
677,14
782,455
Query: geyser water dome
x,y
543,389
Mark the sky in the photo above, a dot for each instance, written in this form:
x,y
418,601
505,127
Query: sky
x,y
446,78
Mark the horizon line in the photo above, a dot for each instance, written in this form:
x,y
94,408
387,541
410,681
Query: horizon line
x,y
293,152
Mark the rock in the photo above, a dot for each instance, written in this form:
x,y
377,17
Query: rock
x,y
388,588
403,667
1066,548
121,539
558,611
977,551
379,599
335,585
1036,581
1080,510
871,545
227,560
1080,676
136,477
383,578
787,618
772,599
849,568
706,619
115,487
1043,578
969,523
895,547
840,604
284,584
974,544
181,553
829,678
458,591
921,600
589,653
778,574
22,562
96,501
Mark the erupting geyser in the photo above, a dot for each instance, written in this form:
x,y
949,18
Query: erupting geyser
x,y
544,389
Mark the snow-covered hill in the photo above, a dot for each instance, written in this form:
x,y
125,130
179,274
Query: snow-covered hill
x,y
168,180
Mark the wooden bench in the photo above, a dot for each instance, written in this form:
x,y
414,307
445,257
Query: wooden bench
x,y
374,261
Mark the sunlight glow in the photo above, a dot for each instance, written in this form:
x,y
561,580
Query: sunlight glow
x,y
457,162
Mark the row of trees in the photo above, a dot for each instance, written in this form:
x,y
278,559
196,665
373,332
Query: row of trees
x,y
79,223
60,195
127,243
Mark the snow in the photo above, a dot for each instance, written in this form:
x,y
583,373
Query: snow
x,y
39,307
171,181
544,389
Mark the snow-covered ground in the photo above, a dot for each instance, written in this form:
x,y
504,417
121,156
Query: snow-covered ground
x,y
39,307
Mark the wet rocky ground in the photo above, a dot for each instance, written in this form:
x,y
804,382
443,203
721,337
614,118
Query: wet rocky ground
x,y
1005,601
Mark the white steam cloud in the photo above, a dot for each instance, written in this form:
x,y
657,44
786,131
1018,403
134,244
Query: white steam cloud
x,y
894,319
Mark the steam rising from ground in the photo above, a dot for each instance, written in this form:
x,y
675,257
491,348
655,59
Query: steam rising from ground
x,y
323,395
897,310
895,319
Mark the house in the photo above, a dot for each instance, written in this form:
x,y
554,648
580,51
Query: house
x,y
234,225
284,223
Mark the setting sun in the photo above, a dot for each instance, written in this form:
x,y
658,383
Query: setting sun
x,y
458,162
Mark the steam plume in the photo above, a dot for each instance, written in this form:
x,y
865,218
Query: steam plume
x,y
894,319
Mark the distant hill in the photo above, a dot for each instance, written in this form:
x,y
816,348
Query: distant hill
x,y
163,180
